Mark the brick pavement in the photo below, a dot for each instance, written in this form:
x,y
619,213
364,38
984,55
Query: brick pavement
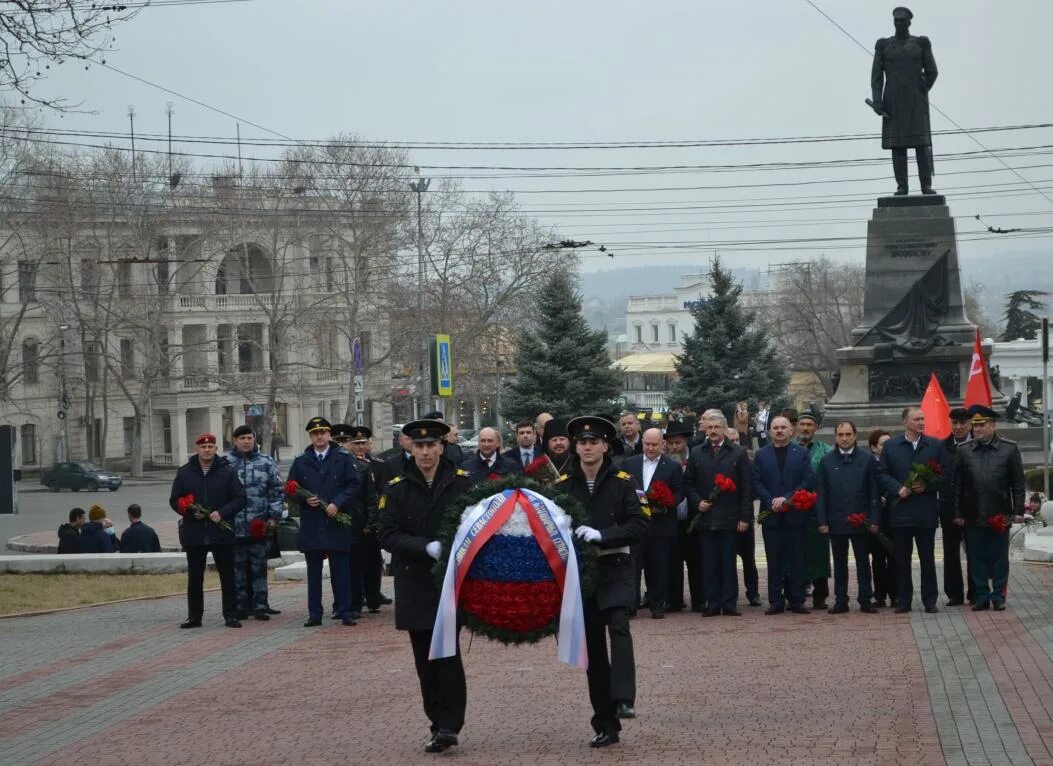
x,y
122,685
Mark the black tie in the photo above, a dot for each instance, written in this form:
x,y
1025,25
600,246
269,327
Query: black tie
x,y
716,450
527,458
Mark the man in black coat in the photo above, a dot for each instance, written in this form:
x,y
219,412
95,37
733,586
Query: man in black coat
x,y
214,483
618,518
487,462
660,547
527,447
69,533
847,486
412,508
678,436
988,487
138,537
721,521
556,444
954,586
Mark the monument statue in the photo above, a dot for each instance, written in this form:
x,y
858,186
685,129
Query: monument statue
x,y
904,71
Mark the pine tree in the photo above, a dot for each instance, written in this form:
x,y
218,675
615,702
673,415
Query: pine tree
x,y
564,367
728,357
1021,321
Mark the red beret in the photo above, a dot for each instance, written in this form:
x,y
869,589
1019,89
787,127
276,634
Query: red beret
x,y
206,439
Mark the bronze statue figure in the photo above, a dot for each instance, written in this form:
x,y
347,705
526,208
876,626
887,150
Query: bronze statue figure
x,y
903,73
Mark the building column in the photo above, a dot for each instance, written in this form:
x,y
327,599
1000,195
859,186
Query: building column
x,y
1020,385
215,423
180,449
295,422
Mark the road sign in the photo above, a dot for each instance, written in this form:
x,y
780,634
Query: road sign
x,y
442,366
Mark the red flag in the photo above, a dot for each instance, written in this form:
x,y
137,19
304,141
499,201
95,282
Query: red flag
x,y
978,389
937,411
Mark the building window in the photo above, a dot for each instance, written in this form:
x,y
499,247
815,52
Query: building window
x,y
30,362
654,333
127,359
639,333
163,269
28,435
165,354
166,434
27,281
91,362
124,279
129,435
672,332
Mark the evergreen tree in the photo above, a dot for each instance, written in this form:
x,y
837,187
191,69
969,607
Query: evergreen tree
x,y
1020,318
564,367
728,357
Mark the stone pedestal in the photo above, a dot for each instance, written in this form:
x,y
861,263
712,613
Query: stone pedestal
x,y
914,321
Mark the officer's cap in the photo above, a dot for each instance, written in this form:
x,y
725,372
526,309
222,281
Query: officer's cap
x,y
243,430
318,424
206,439
981,414
902,13
360,433
426,430
959,413
340,431
591,427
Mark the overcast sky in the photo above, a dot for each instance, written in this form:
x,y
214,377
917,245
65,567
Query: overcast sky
x,y
590,71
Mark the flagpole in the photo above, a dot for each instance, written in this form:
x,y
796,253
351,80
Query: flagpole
x,y
1045,407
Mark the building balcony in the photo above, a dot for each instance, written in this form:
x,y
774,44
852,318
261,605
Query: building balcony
x,y
656,400
178,304
237,382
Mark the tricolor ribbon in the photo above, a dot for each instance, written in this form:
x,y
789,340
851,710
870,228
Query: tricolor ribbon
x,y
551,529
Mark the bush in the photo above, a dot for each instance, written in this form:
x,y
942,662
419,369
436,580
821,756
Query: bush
x,y
1033,479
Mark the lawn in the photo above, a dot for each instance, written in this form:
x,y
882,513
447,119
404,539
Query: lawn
x,y
39,592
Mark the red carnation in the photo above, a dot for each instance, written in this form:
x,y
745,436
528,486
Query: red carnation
x,y
291,488
295,491
935,467
541,469
803,500
258,529
659,494
999,523
857,520
186,504
721,484
493,476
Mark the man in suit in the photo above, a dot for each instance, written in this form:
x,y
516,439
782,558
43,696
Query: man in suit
x,y
688,549
630,442
330,473
847,485
526,444
916,509
746,548
487,463
412,508
954,586
618,517
780,469
659,549
721,520
988,481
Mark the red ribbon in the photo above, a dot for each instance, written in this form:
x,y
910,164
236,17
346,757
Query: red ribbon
x,y
544,540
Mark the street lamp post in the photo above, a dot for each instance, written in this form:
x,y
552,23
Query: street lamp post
x,y
419,187
63,402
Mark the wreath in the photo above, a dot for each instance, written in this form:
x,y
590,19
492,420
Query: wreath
x,y
510,594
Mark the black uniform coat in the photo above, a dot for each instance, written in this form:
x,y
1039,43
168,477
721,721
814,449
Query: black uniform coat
x,y
900,79
699,475
847,485
409,519
988,480
336,480
669,472
897,459
221,490
615,509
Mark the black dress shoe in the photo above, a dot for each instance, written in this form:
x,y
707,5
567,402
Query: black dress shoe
x,y
983,606
819,606
902,609
241,614
374,610
440,741
868,609
349,621
775,610
232,622
356,615
998,606
800,610
732,613
697,609
625,710
313,622
191,623
932,610
838,609
955,602
710,612
754,601
261,614
676,607
603,739
384,600
657,614
268,610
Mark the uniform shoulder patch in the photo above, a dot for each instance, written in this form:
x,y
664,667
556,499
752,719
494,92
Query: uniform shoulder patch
x,y
383,502
624,475
462,472
395,480
562,477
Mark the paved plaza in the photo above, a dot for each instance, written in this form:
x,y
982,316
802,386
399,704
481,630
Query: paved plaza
x,y
121,684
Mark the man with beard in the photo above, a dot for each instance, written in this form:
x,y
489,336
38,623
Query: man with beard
x,y
816,546
688,551
617,520
556,444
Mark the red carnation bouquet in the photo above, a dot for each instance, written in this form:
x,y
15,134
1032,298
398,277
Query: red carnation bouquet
x,y
721,484
800,500
999,523
186,504
258,529
859,521
541,469
295,491
661,497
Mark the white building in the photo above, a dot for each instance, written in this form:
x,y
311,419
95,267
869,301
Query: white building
x,y
659,322
178,316
1018,360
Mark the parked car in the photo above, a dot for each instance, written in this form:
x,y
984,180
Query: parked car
x,y
78,476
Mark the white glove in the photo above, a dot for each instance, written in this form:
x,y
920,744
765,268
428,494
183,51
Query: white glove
x,y
588,534
681,510
434,549
563,523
